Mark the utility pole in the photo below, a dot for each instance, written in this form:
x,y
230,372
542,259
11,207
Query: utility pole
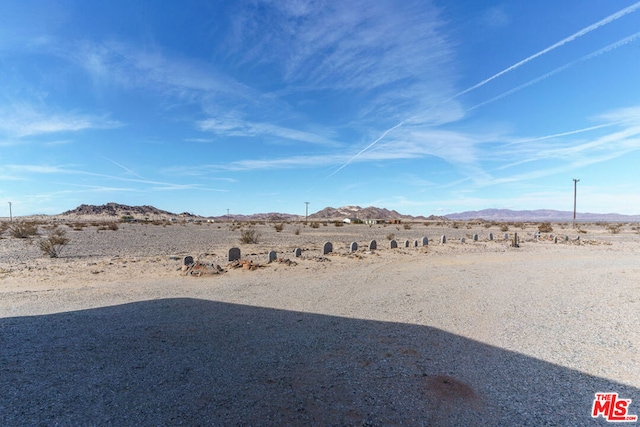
x,y
10,214
228,219
575,192
306,215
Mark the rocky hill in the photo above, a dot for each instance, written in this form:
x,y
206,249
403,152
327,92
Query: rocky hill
x,y
117,210
370,212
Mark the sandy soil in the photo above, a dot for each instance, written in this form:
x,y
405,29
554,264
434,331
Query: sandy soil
x,y
477,333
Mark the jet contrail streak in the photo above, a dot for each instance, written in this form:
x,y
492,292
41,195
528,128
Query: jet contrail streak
x,y
598,52
562,42
364,149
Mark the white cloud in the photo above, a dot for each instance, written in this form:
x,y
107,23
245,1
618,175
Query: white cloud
x,y
229,126
25,120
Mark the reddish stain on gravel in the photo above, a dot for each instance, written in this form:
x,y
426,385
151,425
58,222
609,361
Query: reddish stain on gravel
x,y
449,389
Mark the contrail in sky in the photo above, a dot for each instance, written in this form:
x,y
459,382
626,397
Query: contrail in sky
x,y
125,168
365,149
562,42
598,52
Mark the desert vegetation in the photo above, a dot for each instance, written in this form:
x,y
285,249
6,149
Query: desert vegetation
x,y
23,230
52,244
249,235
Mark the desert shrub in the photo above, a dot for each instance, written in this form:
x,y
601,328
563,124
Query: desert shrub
x,y
23,230
314,225
297,232
545,227
78,226
338,223
407,226
614,228
112,226
426,224
504,227
580,230
455,225
52,244
278,227
249,235
3,227
391,236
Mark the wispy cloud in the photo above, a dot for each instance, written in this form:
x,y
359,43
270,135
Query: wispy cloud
x,y
150,68
25,120
229,126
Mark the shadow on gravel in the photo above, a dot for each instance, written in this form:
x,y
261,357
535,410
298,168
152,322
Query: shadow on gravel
x,y
197,362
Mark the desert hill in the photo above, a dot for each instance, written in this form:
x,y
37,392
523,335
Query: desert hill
x,y
117,210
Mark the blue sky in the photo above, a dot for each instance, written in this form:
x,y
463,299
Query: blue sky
x,y
261,106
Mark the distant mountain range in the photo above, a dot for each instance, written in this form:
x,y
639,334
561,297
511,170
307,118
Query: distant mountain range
x,y
540,215
117,210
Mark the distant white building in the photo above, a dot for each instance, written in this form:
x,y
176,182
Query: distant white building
x,y
350,220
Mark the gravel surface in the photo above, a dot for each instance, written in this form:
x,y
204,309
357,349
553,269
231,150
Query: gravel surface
x,y
478,333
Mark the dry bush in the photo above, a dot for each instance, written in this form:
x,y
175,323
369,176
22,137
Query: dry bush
x,y
249,235
407,226
426,224
614,228
78,226
545,227
297,232
391,236
112,225
314,225
338,223
52,244
278,227
504,227
23,230
455,225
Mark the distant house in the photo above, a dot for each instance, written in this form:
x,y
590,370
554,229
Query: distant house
x,y
370,221
350,220
395,221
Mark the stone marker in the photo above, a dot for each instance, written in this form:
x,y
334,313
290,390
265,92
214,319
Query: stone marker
x,y
353,247
462,240
327,248
555,239
273,256
443,239
506,236
393,244
490,236
475,237
406,243
415,243
566,238
425,241
373,245
234,254
188,260
297,252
